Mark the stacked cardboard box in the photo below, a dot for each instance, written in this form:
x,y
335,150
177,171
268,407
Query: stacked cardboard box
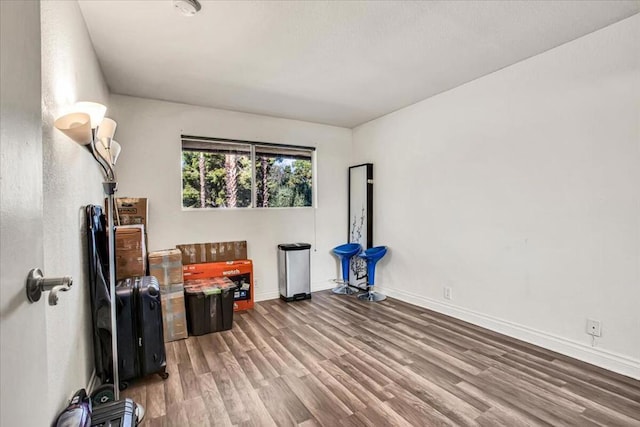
x,y
174,317
166,266
130,251
130,211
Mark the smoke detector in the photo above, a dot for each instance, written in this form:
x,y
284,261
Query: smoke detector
x,y
187,7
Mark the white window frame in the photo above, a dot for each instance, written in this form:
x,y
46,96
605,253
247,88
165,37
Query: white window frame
x,y
187,140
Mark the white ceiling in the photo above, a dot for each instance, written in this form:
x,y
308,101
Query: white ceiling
x,y
341,63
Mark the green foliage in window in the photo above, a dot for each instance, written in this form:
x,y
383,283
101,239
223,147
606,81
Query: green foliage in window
x,y
283,182
211,180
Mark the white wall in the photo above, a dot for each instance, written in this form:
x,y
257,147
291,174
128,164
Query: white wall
x,y
72,179
519,191
23,343
149,166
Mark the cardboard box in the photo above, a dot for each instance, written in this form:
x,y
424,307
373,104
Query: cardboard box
x,y
198,253
174,315
131,253
130,211
166,266
240,272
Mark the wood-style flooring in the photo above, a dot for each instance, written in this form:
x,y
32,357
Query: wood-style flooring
x,y
337,361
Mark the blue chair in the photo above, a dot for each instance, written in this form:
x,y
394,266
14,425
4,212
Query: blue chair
x,y
345,252
372,256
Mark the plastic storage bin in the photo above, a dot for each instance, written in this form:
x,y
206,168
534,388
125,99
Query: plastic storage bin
x,y
294,271
209,304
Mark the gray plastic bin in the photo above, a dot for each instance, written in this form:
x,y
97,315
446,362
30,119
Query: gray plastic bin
x,y
294,271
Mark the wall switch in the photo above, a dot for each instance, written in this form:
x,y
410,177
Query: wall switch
x,y
594,327
447,293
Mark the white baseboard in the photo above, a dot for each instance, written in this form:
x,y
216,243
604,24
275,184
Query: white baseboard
x,y
315,287
605,359
93,382
265,296
322,286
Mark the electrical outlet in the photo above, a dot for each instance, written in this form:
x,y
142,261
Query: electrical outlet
x,y
447,293
594,327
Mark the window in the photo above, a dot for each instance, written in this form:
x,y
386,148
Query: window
x,y
222,173
283,177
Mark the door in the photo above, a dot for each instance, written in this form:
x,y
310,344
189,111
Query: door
x,y
23,343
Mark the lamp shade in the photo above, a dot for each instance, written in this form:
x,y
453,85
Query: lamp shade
x,y
115,152
106,129
96,111
76,126
109,150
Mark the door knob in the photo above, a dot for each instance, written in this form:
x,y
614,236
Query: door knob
x,y
37,284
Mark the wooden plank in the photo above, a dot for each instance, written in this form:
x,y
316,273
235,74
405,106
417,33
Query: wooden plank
x,y
316,401
213,400
188,379
156,402
197,412
283,405
234,405
173,387
196,357
247,394
414,410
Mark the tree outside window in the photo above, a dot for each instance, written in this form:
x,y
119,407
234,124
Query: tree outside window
x,y
219,175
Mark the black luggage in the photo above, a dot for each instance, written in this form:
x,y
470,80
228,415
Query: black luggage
x,y
140,338
149,322
120,413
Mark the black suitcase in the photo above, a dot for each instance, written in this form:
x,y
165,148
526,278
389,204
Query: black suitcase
x,y
120,413
140,338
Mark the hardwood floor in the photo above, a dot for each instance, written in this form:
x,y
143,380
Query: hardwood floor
x,y
334,360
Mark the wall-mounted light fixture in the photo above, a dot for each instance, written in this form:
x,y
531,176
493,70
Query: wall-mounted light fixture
x,y
87,126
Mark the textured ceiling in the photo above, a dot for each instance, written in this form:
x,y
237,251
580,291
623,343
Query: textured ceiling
x,y
340,63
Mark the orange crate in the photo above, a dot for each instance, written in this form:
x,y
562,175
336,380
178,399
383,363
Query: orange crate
x,y
240,272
